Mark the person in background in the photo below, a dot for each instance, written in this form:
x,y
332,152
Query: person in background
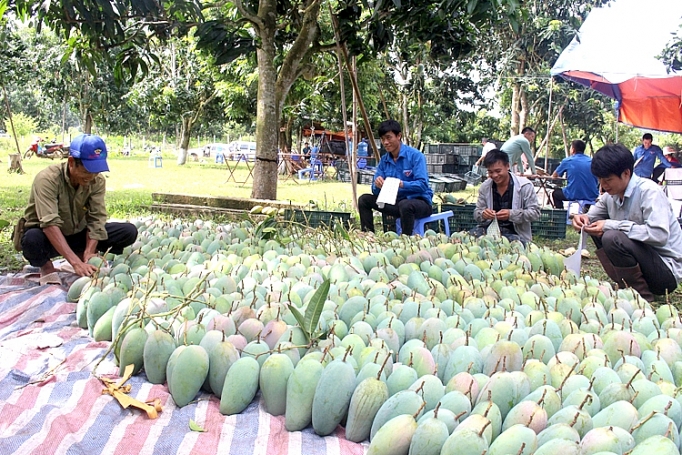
x,y
520,145
409,166
487,146
306,150
669,154
581,184
66,215
638,238
645,157
509,198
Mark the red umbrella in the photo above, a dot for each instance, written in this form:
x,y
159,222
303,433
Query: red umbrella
x,y
646,102
615,54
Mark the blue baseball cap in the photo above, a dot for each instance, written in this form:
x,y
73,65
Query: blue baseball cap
x,y
92,151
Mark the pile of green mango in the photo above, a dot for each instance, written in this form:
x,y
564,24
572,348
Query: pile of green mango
x,y
429,345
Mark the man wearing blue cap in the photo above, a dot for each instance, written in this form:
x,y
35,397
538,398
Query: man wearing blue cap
x,y
66,214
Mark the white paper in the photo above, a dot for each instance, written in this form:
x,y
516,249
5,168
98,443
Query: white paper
x,y
389,191
572,262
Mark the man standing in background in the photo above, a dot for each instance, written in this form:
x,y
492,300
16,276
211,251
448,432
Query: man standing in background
x,y
520,145
645,157
488,145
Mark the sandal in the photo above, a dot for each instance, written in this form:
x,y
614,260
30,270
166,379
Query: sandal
x,y
50,278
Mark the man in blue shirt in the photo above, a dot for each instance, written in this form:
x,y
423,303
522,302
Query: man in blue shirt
x,y
582,185
645,157
409,166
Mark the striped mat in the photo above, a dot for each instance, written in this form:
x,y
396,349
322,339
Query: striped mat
x,y
50,402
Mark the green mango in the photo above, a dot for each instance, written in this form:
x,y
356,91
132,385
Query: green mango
x,y
98,304
76,289
132,350
332,396
273,382
367,399
240,387
300,393
394,437
157,350
102,329
186,373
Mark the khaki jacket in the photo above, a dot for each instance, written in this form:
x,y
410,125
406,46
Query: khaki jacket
x,y
54,202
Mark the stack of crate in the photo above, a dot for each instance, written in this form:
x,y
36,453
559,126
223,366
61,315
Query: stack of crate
x,y
439,163
451,158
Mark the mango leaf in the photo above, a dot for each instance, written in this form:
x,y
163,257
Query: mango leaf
x,y
3,224
299,318
314,310
195,426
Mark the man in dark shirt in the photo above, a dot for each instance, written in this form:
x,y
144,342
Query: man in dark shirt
x,y
306,150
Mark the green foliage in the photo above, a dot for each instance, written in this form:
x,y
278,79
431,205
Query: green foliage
x,y
308,323
672,54
24,125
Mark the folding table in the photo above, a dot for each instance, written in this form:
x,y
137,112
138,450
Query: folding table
x,y
231,168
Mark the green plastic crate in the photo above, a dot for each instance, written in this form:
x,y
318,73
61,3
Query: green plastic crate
x,y
318,218
462,218
388,222
551,225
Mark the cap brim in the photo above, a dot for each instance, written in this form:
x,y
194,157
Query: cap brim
x,y
95,166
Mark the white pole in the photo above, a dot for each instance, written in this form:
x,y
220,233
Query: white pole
x,y
549,121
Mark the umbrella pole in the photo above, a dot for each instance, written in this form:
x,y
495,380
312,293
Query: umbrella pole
x,y
549,120
615,114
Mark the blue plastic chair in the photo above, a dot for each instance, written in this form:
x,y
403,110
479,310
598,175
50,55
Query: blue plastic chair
x,y
419,223
316,167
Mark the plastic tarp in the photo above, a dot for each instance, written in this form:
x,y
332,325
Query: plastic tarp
x,y
51,403
615,53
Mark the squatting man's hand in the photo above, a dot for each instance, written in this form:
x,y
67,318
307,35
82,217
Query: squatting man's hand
x,y
490,214
83,268
583,221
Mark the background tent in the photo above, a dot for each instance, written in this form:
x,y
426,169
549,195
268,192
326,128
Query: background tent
x,y
615,53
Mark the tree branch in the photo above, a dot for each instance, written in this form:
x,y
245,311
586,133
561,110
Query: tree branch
x,y
306,37
248,15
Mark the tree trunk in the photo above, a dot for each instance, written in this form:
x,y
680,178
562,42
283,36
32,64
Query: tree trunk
x,y
273,87
418,126
563,134
15,163
185,134
523,114
87,121
406,117
515,108
267,121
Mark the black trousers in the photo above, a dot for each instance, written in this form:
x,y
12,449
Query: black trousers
x,y
38,250
558,198
624,252
407,210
